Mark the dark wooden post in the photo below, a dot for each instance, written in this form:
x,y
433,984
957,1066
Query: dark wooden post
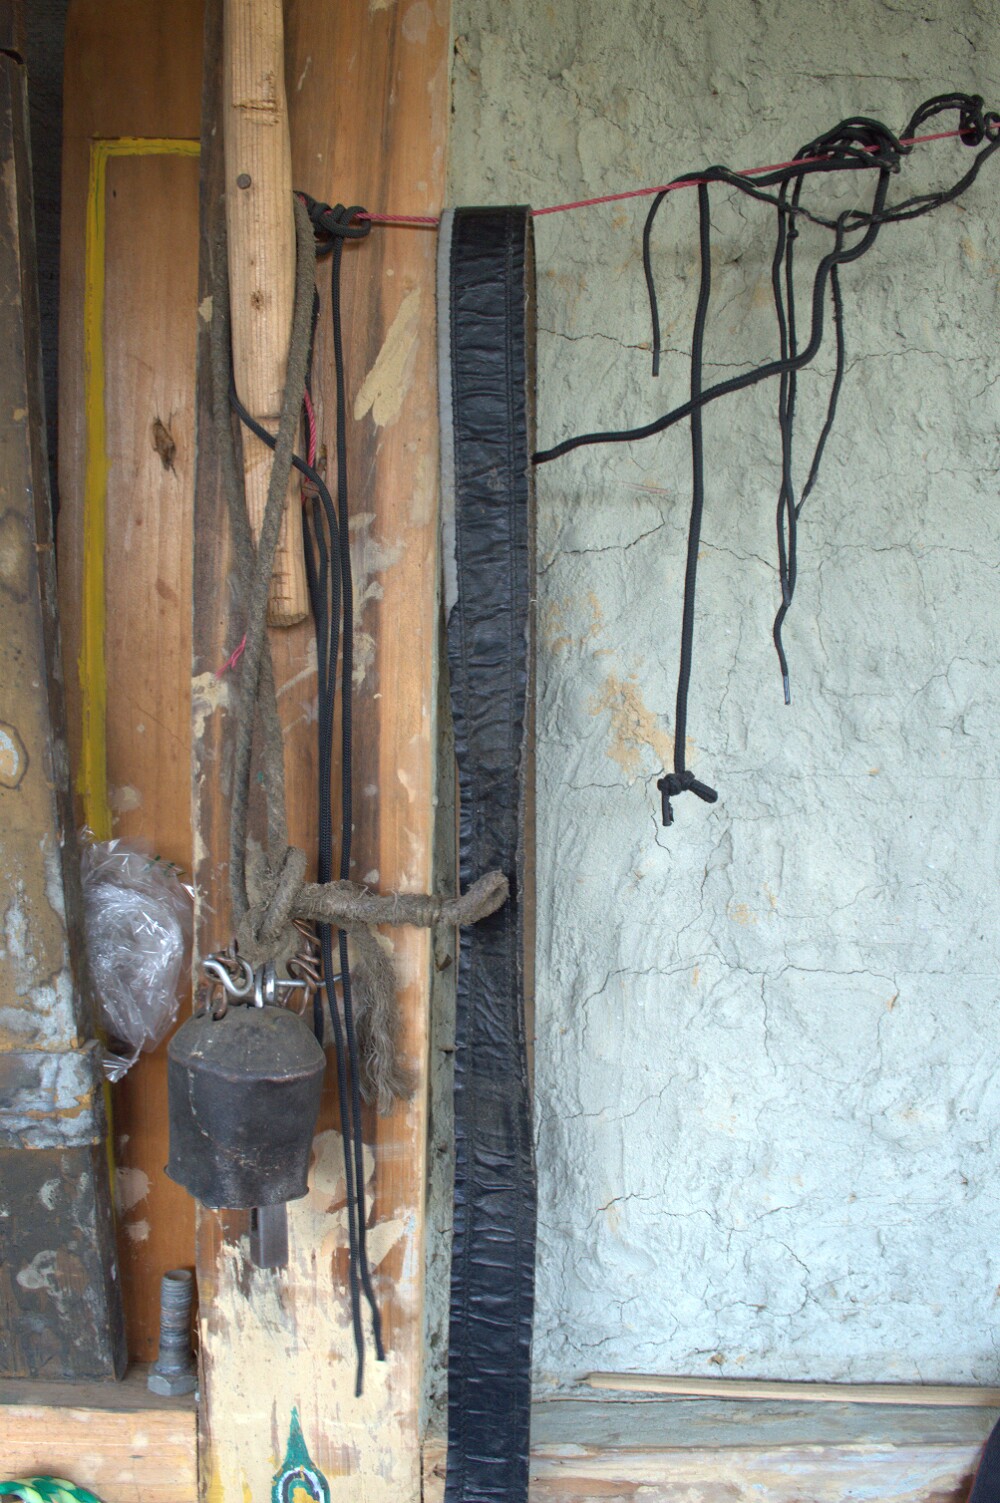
x,y
60,1303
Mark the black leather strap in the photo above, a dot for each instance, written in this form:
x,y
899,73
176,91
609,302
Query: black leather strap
x,y
986,1487
486,365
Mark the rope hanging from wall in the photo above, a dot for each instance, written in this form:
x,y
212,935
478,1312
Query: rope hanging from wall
x,y
857,145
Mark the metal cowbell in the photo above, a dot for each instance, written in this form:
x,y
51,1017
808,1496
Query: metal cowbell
x,y
244,1095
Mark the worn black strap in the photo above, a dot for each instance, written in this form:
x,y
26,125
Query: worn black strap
x,y
986,1487
486,366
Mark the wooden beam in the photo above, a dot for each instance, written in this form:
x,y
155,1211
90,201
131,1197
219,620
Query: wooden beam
x,y
128,330
116,1439
261,239
925,1395
274,1344
58,1289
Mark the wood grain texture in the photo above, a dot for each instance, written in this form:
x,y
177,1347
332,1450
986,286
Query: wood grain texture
x,y
925,1395
61,1309
271,1342
261,231
151,327
134,72
711,1451
118,1440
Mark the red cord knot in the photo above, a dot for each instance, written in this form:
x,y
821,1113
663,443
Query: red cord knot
x,y
336,222
673,783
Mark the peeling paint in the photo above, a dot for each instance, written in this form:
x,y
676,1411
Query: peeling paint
x,y
13,756
48,1193
303,674
258,1313
131,1187
124,798
417,21
209,693
634,729
40,1273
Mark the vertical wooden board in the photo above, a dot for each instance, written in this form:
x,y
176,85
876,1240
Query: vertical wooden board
x,y
150,333
134,72
277,1344
130,70
60,1302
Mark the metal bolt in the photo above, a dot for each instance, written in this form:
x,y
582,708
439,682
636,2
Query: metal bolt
x,y
244,180
174,1370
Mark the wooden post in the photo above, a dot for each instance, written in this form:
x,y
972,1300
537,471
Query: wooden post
x,y
277,1351
128,329
261,230
59,1291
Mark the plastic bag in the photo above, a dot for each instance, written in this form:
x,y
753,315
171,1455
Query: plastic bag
x,y
138,920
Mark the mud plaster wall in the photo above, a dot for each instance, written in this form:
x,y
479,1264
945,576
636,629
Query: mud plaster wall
x,y
767,1050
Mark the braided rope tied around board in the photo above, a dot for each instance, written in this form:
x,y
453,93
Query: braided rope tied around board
x,y
46,1490
268,887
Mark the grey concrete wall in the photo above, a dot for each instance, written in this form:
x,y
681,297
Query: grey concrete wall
x,y
767,1088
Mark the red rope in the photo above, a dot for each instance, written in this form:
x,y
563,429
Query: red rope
x,y
311,425
423,221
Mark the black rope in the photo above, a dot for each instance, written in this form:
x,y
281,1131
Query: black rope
x,y
858,144
338,225
328,572
681,780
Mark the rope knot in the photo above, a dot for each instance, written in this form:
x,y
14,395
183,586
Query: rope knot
x,y
332,223
267,931
972,121
673,783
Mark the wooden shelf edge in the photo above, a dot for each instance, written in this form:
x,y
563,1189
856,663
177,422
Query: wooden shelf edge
x,y
921,1395
122,1442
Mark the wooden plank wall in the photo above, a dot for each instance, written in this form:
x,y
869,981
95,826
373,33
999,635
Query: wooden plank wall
x,y
367,87
132,75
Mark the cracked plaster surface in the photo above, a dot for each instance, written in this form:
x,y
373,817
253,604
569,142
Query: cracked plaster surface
x,y
767,1094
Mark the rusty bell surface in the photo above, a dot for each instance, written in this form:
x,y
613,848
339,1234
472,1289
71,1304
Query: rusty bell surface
x,y
244,1094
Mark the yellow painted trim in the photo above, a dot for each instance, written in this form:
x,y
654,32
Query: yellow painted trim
x,y
92,779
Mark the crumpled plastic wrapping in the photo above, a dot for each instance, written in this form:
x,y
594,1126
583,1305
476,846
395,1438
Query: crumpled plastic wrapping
x,y
138,920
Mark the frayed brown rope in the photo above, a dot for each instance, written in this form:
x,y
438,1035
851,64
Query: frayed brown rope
x,y
269,891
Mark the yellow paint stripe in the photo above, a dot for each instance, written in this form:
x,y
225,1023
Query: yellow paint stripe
x,y
92,779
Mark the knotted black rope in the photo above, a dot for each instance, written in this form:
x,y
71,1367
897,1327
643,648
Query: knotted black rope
x,y
681,780
860,145
331,591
